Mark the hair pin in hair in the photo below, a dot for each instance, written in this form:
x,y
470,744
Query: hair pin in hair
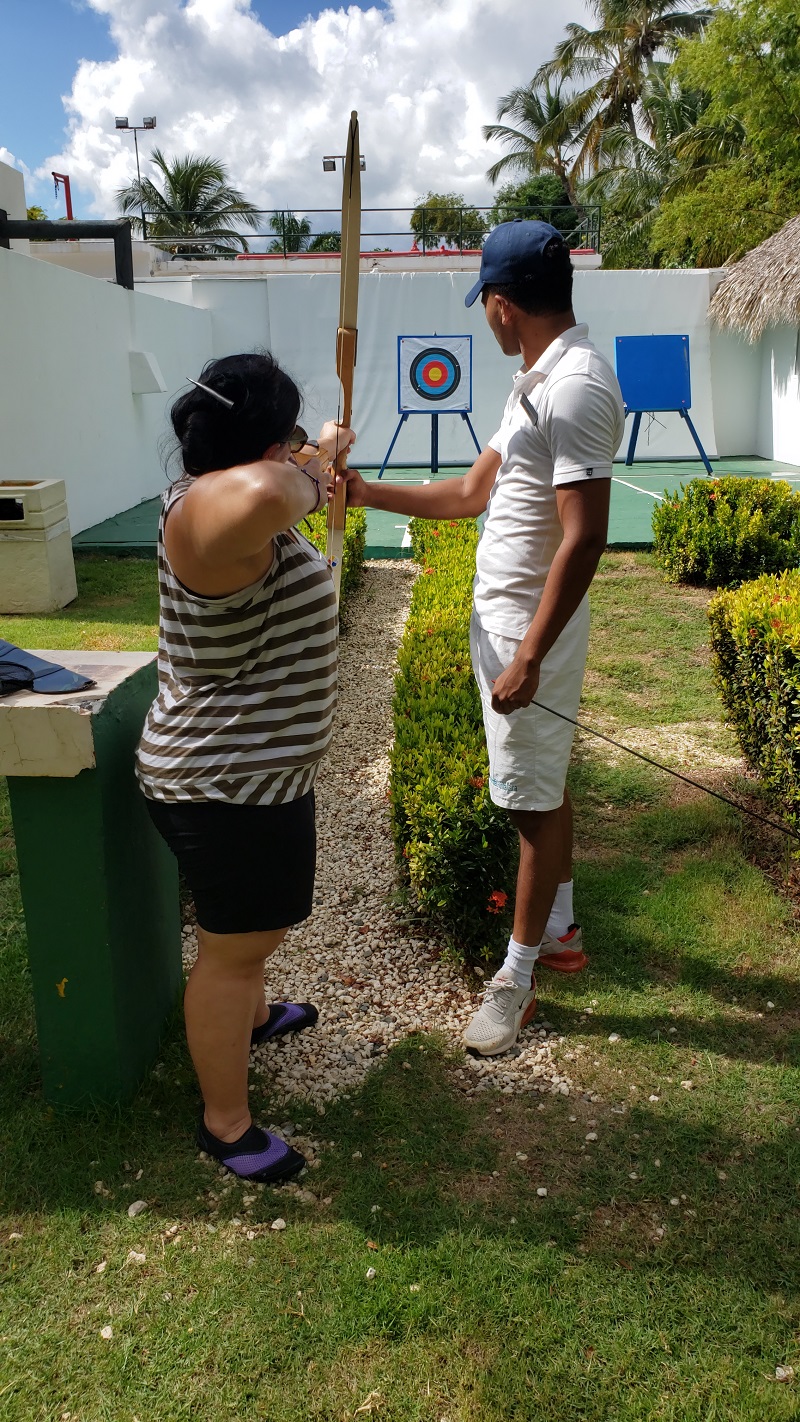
x,y
223,399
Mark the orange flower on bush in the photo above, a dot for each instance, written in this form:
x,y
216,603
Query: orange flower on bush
x,y
477,782
497,901
435,532
428,570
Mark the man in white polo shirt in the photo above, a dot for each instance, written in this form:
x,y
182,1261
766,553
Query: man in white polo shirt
x,y
544,482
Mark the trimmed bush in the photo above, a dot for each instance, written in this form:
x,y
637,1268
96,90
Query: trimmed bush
x,y
720,532
755,638
315,529
459,850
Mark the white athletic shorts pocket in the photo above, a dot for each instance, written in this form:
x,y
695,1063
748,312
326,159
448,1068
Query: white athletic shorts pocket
x,y
529,750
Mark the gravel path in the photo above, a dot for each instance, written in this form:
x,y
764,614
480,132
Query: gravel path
x,y
354,958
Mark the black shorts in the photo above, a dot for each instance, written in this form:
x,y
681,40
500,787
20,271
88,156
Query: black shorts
x,y
250,868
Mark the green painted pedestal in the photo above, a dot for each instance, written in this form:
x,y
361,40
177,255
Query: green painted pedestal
x,y
99,887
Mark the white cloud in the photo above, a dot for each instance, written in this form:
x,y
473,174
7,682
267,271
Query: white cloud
x,y
6,156
425,75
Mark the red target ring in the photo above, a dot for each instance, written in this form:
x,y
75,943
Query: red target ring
x,y
435,374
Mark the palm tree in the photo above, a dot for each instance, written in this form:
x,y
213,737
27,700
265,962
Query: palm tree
x,y
196,200
617,59
544,139
294,233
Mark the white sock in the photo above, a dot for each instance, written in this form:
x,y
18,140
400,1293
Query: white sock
x,y
519,962
560,920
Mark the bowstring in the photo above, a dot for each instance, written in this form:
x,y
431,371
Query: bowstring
x,y
687,780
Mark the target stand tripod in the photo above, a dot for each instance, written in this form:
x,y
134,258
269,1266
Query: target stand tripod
x,y
434,377
434,437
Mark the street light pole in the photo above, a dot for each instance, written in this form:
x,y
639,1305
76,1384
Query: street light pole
x,y
147,123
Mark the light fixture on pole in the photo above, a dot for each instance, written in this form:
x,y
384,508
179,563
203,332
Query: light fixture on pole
x,y
147,123
330,160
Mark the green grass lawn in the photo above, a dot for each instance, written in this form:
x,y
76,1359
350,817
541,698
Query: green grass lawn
x,y
602,1301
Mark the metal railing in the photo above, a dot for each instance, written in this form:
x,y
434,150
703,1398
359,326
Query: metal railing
x,y
293,232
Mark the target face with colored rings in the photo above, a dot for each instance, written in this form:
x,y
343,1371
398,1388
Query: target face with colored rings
x,y
435,373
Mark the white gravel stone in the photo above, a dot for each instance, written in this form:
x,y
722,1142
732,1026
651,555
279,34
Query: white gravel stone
x,y
136,1208
374,976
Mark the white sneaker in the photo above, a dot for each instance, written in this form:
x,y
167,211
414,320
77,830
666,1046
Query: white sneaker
x,y
505,1010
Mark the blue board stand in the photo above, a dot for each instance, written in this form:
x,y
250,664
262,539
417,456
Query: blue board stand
x,y
654,375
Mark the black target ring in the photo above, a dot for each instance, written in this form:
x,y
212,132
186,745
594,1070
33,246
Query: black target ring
x,y
435,374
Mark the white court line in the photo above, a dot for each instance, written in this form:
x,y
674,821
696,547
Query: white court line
x,y
789,478
615,479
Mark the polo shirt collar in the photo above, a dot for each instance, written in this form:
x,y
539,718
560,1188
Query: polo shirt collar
x,y
549,358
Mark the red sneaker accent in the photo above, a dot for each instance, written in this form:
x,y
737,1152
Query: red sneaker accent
x,y
567,962
566,959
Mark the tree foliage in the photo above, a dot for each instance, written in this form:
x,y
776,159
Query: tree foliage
x,y
616,58
446,217
748,64
682,121
294,233
541,138
542,198
195,200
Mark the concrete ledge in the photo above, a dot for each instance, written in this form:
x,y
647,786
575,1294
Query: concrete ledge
x,y
54,735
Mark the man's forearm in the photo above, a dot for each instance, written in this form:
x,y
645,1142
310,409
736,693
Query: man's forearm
x,y
439,499
568,581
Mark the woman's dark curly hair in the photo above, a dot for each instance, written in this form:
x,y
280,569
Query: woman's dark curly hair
x,y
266,404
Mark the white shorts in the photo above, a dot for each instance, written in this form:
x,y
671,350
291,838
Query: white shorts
x,y
529,750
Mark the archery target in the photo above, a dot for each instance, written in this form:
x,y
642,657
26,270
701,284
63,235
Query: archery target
x,y
434,373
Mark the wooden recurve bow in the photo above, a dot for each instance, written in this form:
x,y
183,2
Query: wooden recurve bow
x,y
347,334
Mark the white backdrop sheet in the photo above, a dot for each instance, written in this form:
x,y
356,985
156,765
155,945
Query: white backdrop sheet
x,y
296,314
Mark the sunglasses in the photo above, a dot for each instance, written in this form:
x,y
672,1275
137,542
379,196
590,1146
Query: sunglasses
x,y
298,439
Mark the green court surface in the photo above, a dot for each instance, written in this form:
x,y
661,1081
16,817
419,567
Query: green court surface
x,y
635,491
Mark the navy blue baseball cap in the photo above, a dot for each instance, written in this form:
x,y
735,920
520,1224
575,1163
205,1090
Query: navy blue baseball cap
x,y
512,251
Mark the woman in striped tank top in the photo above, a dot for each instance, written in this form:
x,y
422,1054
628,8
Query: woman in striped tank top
x,y
231,745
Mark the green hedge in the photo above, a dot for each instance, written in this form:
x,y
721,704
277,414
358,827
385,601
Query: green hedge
x,y
755,637
459,850
720,532
315,529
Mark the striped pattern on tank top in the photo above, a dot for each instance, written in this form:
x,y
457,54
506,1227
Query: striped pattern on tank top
x,y
247,683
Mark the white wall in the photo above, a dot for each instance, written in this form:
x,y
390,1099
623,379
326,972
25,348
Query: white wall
x,y
295,315
67,409
66,406
779,414
12,200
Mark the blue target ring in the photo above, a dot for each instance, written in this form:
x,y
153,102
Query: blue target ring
x,y
435,374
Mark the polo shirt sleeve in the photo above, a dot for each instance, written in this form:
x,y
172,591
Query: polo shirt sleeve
x,y
583,424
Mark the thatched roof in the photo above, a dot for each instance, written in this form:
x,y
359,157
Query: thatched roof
x,y
763,288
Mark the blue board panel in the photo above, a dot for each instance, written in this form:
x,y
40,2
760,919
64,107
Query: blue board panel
x,y
653,372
